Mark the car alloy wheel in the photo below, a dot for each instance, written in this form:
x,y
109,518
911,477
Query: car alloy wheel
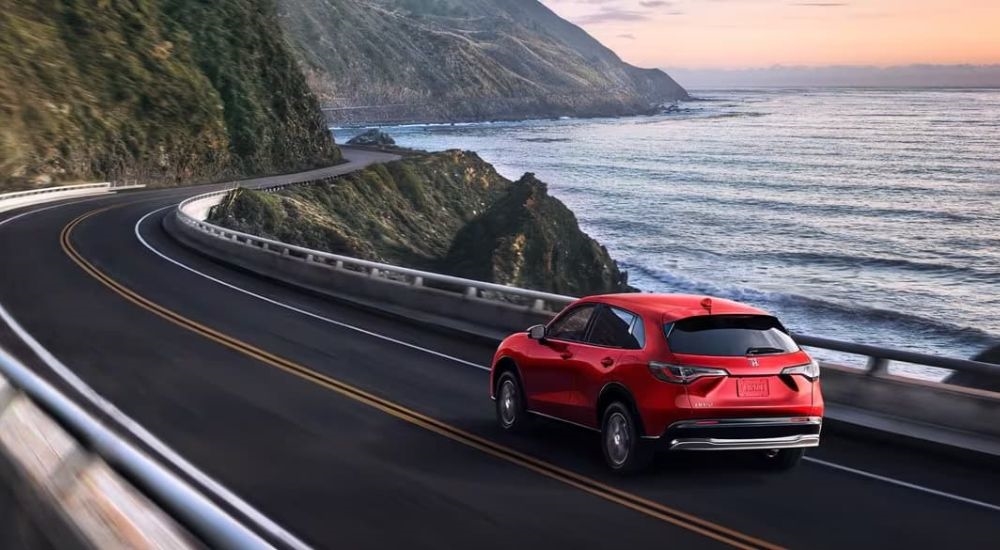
x,y
512,414
624,450
508,402
617,439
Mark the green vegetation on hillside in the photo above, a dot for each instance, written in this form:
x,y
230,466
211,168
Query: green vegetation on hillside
x,y
448,212
163,91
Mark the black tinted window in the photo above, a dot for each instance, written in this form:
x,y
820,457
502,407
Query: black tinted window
x,y
617,328
638,330
729,335
573,325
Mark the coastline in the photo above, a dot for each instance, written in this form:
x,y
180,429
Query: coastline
x,y
421,122
680,164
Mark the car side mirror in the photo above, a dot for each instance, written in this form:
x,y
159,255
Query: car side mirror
x,y
537,332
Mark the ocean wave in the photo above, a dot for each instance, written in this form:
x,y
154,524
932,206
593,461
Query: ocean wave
x,y
852,210
745,114
849,261
544,140
827,309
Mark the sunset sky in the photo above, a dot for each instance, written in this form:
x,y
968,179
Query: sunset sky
x,y
762,33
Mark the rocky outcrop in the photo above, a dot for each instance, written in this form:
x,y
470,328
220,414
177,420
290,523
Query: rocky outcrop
x,y
529,239
164,91
462,60
373,137
447,212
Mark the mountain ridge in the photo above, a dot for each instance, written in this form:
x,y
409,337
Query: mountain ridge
x,y
383,61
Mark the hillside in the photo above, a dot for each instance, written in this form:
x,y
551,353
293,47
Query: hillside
x,y
447,212
452,60
163,91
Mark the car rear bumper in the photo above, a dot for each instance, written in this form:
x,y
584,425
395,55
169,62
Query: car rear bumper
x,y
742,434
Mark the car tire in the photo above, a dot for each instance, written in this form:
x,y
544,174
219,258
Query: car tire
x,y
511,410
624,450
781,460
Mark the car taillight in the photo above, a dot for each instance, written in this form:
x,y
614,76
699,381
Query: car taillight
x,y
682,374
810,370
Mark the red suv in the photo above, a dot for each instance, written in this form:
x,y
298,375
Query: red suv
x,y
677,372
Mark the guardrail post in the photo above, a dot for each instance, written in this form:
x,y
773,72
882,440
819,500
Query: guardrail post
x,y
374,272
310,258
539,305
471,292
878,366
339,264
284,251
418,281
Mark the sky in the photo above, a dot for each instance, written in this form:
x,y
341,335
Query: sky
x,y
740,34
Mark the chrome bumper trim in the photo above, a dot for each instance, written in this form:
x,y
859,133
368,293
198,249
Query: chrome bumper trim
x,y
749,422
713,444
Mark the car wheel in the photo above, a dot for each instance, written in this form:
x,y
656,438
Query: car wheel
x,y
624,450
512,413
781,460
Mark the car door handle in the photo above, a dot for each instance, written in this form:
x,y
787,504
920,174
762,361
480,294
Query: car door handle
x,y
566,354
607,361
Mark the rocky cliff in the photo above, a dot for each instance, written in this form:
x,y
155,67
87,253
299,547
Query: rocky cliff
x,y
453,60
164,91
529,239
447,212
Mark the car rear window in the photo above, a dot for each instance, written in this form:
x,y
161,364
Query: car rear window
x,y
729,335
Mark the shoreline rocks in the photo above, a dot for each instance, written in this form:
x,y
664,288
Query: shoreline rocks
x,y
373,137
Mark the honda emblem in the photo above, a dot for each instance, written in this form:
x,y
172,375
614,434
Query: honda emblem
x,y
754,362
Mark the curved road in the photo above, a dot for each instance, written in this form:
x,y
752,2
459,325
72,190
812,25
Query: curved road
x,y
353,430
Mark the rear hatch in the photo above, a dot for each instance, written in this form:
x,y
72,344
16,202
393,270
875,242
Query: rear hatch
x,y
753,350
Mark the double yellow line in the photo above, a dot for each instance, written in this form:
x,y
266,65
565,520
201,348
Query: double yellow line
x,y
650,508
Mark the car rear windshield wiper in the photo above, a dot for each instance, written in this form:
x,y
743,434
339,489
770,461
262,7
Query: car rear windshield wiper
x,y
764,350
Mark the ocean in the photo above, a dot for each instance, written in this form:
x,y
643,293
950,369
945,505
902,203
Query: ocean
x,y
865,215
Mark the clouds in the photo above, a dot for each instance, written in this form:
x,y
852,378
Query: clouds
x,y
614,11
753,33
609,14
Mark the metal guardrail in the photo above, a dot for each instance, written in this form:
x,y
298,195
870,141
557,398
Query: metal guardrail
x,y
185,504
878,358
473,289
49,190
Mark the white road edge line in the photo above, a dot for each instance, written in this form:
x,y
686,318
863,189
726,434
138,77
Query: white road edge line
x,y
136,429
905,484
848,469
293,308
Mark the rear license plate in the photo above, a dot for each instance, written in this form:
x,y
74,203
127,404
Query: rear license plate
x,y
752,387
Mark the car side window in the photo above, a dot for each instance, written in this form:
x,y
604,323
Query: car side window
x,y
617,328
573,325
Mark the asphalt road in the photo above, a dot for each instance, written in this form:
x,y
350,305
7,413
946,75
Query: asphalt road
x,y
353,430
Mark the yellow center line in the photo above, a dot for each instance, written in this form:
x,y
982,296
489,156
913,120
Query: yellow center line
x,y
648,507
